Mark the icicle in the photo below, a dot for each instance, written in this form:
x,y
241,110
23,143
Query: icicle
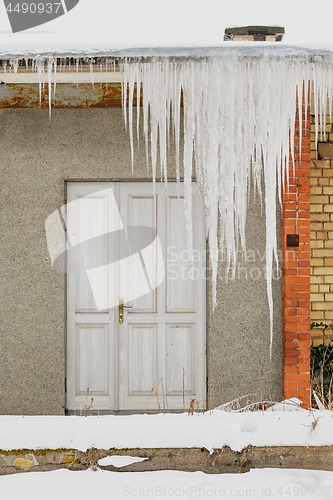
x,y
189,126
49,80
146,68
38,65
92,78
124,90
239,127
138,99
43,72
175,100
39,69
14,63
107,74
77,63
131,84
55,77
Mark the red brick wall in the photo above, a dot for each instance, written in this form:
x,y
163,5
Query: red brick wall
x,y
296,271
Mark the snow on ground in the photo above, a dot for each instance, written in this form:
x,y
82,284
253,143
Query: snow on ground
x,y
86,485
120,460
210,430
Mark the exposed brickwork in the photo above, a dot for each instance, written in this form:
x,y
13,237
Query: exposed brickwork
x,y
321,240
296,271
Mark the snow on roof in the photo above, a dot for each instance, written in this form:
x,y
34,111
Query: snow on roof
x,y
228,50
101,26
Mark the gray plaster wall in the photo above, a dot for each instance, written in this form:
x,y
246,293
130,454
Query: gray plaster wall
x,y
238,336
37,157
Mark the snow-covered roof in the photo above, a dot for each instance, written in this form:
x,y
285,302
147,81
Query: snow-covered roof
x,y
239,50
101,26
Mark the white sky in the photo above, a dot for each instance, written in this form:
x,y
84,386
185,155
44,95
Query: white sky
x,y
147,23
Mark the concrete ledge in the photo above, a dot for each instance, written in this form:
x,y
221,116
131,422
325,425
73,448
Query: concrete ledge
x,y
220,461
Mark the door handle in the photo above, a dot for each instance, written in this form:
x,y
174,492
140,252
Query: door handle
x,y
121,310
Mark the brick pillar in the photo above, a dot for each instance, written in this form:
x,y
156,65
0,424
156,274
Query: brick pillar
x,y
296,271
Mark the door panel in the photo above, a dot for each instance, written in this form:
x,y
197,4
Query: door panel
x,y
180,359
91,222
141,357
179,289
141,212
92,359
155,359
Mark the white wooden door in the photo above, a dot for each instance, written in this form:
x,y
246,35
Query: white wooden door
x,y
155,359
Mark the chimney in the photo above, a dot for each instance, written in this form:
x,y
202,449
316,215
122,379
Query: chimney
x,y
254,34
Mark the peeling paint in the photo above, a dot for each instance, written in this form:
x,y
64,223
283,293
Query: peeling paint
x,y
66,96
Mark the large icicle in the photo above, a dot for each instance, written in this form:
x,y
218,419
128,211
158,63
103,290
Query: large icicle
x,y
239,117
239,124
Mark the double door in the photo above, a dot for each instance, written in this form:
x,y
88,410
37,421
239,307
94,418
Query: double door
x,y
136,327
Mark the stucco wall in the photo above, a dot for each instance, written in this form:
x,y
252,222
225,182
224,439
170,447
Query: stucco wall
x,y
238,339
36,159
